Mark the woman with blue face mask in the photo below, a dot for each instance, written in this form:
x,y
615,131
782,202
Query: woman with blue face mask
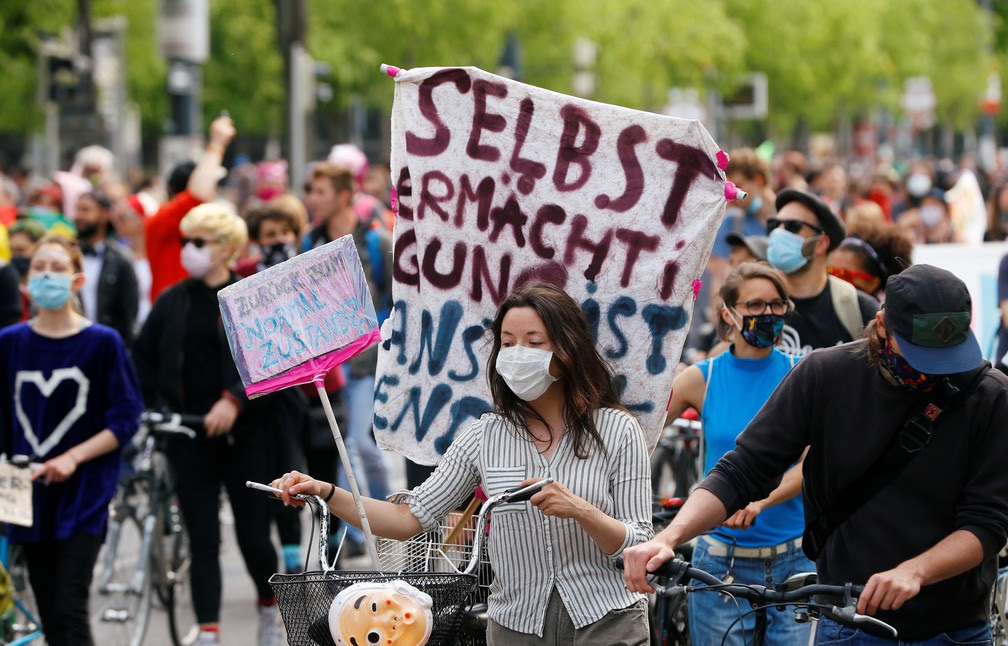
x,y
728,390
556,414
72,400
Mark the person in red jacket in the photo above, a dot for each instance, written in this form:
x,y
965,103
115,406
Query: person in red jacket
x,y
189,185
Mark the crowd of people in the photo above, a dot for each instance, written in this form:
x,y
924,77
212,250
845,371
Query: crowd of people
x,y
813,258
145,262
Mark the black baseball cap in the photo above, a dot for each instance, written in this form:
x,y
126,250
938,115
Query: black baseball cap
x,y
929,310
830,222
757,245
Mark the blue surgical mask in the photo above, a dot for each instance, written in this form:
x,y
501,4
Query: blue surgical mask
x,y
785,250
50,291
754,206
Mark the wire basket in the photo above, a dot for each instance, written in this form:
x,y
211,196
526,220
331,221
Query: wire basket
x,y
304,601
429,552
448,563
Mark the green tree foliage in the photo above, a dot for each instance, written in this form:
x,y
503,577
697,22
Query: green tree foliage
x,y
21,21
245,72
824,59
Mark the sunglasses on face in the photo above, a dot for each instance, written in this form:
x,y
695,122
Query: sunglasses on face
x,y
793,226
758,306
197,242
849,274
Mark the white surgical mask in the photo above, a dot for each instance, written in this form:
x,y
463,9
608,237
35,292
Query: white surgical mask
x,y
525,370
198,262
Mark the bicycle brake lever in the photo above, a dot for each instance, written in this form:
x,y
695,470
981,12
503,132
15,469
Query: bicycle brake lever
x,y
524,493
850,614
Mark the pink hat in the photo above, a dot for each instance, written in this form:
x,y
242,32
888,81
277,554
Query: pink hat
x,y
351,158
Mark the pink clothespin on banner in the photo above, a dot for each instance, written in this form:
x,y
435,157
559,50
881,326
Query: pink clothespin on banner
x,y
391,70
732,192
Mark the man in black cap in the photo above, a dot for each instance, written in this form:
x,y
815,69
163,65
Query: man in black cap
x,y
904,482
827,310
745,248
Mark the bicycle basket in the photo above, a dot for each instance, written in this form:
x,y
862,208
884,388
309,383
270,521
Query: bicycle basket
x,y
304,601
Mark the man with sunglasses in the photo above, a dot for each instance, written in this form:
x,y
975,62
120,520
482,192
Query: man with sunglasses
x,y
828,311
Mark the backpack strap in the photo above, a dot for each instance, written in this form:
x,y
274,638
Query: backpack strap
x,y
823,517
710,369
845,304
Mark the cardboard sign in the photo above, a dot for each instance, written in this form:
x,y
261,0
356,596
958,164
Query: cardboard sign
x,y
295,321
502,184
15,495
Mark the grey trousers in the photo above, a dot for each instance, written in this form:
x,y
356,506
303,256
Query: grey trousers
x,y
624,627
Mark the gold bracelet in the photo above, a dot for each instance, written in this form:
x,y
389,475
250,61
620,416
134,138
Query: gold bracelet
x,y
215,148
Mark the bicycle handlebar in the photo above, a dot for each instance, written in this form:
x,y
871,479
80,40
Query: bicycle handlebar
x,y
22,462
171,423
680,571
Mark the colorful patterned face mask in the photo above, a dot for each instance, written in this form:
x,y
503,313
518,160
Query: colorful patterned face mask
x,y
760,330
902,371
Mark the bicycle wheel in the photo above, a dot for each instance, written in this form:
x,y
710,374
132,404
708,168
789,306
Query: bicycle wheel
x,y
121,592
174,586
669,621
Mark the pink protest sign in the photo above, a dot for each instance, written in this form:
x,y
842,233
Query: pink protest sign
x,y
292,323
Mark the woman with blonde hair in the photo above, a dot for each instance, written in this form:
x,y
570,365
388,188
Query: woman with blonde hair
x,y
185,365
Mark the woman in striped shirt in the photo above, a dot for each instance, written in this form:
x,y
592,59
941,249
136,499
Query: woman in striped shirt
x,y
556,414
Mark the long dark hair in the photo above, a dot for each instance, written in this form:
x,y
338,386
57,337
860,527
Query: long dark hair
x,y
588,380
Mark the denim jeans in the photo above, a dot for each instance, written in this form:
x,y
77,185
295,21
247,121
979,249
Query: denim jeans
x,y
831,632
711,613
359,399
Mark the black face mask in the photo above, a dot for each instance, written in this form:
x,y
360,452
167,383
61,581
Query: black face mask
x,y
275,254
21,263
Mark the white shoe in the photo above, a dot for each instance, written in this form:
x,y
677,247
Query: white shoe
x,y
271,628
208,638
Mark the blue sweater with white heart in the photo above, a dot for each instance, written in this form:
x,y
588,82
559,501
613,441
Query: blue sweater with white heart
x,y
57,394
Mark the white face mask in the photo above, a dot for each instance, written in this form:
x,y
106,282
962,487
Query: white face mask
x,y
525,370
198,262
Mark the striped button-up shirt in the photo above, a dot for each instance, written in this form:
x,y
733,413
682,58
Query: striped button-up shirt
x,y
532,553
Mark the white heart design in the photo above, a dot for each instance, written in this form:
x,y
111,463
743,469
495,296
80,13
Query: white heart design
x,y
46,387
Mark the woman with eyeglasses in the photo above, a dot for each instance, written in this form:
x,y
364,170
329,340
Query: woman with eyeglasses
x,y
761,543
869,255
185,365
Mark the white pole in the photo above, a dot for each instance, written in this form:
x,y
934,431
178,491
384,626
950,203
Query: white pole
x,y
345,459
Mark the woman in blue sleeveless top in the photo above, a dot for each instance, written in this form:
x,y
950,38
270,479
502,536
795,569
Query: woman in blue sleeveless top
x,y
760,544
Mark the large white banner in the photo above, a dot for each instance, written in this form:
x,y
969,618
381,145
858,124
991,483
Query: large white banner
x,y
501,184
977,266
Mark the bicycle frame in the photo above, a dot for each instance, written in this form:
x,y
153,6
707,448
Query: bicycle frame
x,y
142,511
20,607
